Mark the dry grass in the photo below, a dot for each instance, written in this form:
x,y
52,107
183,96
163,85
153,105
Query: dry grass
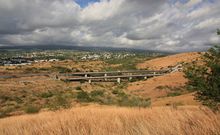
x,y
173,82
172,60
114,120
150,86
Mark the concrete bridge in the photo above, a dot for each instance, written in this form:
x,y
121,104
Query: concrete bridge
x,y
112,75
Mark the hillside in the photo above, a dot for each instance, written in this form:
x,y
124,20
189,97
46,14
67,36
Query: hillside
x,y
45,92
164,90
158,105
170,88
169,61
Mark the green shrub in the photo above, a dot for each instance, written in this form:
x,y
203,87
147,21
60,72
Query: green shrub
x,y
83,96
173,94
130,101
47,94
5,98
78,88
18,100
205,78
82,81
134,102
162,87
62,101
116,91
32,109
4,112
97,93
62,69
119,93
59,101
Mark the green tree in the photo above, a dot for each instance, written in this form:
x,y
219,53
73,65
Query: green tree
x,y
204,78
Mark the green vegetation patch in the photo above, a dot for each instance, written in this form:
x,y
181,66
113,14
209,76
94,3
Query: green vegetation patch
x,y
204,78
32,109
174,94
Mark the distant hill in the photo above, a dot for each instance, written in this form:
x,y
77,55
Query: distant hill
x,y
78,48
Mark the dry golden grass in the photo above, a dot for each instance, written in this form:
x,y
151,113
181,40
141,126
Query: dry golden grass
x,y
150,86
184,99
173,82
115,120
172,60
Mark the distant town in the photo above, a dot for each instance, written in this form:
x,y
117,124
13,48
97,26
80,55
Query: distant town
x,y
15,57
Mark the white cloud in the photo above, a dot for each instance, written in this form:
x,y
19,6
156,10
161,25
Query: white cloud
x,y
208,23
101,10
200,12
146,24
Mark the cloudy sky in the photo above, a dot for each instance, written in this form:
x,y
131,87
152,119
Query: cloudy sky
x,y
166,25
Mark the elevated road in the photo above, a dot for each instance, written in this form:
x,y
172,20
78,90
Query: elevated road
x,y
111,75
115,72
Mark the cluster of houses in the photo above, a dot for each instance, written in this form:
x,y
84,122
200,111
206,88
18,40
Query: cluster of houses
x,y
16,61
105,56
50,60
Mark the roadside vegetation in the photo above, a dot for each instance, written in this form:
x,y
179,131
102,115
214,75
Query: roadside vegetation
x,y
58,69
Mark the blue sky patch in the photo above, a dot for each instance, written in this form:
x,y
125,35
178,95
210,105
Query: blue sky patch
x,y
85,3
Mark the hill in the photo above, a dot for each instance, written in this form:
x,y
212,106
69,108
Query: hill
x,y
169,61
164,90
78,48
173,109
168,89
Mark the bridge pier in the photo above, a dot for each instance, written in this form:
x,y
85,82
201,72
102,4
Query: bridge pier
x,y
119,80
105,75
90,81
57,77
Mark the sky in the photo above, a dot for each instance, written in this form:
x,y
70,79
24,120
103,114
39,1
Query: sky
x,y
84,3
163,25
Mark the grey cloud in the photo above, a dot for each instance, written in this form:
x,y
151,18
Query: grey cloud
x,y
146,24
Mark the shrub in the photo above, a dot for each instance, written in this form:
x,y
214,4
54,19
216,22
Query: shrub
x,y
130,101
59,101
205,78
82,81
97,93
173,94
97,96
47,94
18,100
162,87
78,88
62,101
32,109
5,111
115,91
83,96
62,69
134,102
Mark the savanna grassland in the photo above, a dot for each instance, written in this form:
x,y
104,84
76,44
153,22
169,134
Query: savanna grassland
x,y
34,87
159,105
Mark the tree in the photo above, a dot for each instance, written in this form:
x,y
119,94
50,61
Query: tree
x,y
204,77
